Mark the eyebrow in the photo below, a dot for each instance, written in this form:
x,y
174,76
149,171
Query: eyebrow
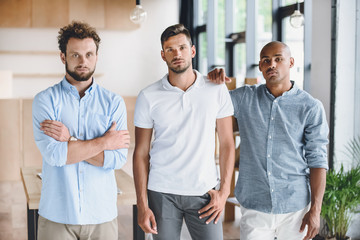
x,y
276,55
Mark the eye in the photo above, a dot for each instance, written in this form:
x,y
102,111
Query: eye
x,y
168,50
89,54
278,59
75,55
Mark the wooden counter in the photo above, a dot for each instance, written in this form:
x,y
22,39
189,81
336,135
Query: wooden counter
x,y
32,186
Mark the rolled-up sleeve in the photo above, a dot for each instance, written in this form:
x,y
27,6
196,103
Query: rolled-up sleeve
x,y
52,151
316,138
115,159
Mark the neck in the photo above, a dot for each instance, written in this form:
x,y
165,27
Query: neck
x,y
182,80
278,89
81,86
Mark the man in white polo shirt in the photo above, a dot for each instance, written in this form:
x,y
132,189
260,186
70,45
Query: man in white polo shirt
x,y
176,178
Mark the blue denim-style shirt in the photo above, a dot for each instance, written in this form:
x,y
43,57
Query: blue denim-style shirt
x,y
281,138
78,193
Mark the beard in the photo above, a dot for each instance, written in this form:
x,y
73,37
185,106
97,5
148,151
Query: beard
x,y
179,69
78,77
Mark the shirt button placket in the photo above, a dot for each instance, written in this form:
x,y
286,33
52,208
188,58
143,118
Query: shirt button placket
x,y
81,164
269,150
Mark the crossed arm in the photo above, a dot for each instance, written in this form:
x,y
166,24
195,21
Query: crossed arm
x,y
90,150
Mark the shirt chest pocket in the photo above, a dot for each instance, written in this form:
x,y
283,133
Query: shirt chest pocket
x,y
98,124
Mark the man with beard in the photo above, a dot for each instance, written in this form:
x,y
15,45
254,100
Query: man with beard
x,y
80,129
283,159
177,177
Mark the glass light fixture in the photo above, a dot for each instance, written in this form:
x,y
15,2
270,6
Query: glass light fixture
x,y
138,14
297,18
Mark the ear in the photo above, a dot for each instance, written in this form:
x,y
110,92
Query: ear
x,y
63,57
292,61
163,55
193,51
259,66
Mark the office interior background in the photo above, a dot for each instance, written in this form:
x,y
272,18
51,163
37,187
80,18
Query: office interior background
x,y
226,33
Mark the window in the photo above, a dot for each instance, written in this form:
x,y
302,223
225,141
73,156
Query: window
x,y
295,39
231,34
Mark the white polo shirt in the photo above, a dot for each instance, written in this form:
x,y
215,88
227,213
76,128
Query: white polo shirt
x,y
182,154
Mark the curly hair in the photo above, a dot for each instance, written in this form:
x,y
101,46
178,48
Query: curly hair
x,y
78,30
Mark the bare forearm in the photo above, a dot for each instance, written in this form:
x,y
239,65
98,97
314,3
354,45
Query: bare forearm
x,y
227,152
97,160
85,150
141,173
227,161
317,185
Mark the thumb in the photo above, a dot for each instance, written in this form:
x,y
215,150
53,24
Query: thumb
x,y
153,223
227,79
303,224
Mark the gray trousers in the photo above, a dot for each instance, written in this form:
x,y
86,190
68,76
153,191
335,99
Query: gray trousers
x,y
171,209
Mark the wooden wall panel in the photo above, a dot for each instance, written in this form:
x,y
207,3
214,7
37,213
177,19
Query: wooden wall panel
x,y
117,14
130,109
90,11
31,155
54,13
102,14
15,13
10,146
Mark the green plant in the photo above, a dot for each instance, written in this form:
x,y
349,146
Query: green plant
x,y
353,150
341,199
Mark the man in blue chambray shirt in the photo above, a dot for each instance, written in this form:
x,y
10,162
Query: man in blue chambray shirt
x,y
283,156
80,129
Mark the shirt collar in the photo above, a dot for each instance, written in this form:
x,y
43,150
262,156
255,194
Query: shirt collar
x,y
199,82
70,88
293,90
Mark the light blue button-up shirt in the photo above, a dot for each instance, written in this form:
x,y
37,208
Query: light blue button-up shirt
x,y
281,138
78,193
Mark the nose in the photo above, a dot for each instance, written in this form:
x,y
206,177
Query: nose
x,y
177,52
82,60
272,64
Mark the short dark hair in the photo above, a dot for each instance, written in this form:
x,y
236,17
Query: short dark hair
x,y
77,30
173,31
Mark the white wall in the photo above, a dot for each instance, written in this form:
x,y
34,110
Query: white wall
x,y
321,53
128,60
345,81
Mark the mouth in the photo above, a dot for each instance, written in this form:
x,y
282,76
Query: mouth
x,y
271,72
177,61
82,69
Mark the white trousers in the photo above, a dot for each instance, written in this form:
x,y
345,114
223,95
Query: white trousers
x,y
255,225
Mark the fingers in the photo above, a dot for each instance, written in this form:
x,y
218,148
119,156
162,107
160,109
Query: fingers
x,y
312,230
153,225
50,125
303,224
227,79
205,210
218,76
146,221
213,209
310,234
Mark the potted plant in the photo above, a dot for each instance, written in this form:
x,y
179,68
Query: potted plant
x,y
342,195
